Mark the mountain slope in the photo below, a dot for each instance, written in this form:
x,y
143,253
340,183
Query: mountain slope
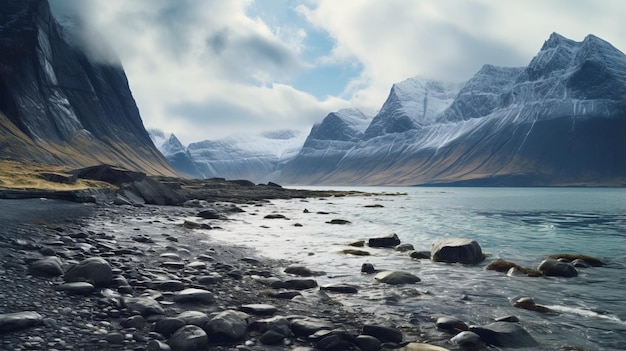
x,y
62,105
559,121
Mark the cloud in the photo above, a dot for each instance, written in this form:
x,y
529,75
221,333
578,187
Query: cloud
x,y
204,69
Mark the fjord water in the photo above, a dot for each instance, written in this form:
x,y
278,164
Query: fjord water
x,y
523,225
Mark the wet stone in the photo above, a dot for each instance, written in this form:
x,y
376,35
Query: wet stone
x,y
259,309
10,322
194,295
76,288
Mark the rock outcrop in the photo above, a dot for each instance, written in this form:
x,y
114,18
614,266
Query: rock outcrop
x,y
59,103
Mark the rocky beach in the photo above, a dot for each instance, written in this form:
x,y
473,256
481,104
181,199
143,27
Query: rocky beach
x,y
119,273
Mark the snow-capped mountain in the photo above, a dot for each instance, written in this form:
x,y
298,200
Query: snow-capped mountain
x,y
559,121
252,157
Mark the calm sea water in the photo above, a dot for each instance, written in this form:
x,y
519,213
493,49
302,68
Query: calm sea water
x,y
523,225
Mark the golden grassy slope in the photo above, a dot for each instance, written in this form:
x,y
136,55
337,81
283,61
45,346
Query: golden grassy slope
x,y
28,176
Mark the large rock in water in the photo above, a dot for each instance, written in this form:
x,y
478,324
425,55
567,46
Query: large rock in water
x,y
554,268
390,240
95,270
504,334
396,278
453,250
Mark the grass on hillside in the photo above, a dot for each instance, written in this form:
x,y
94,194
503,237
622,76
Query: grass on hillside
x,y
28,176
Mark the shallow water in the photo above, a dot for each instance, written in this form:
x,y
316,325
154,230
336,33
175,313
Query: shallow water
x,y
522,225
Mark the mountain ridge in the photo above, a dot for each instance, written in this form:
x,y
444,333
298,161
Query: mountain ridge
x,y
558,121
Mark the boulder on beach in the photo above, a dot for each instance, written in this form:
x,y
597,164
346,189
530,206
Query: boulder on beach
x,y
194,295
226,326
95,270
145,306
390,240
453,250
467,340
10,322
554,268
51,266
189,338
396,278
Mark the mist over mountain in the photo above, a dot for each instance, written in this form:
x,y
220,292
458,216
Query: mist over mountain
x,y
63,104
255,157
559,121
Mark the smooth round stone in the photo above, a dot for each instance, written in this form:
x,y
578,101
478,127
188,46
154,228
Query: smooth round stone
x,y
271,337
466,339
390,240
226,326
194,295
189,338
173,264
46,267
76,288
95,270
554,268
259,309
367,343
451,324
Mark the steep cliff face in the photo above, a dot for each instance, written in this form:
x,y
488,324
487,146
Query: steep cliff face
x,y
59,105
559,121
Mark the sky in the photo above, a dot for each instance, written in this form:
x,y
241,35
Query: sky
x,y
207,69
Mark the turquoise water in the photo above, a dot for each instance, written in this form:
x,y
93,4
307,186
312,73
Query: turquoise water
x,y
523,225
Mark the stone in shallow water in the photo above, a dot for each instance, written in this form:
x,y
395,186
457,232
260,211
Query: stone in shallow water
x,y
453,250
554,268
301,271
340,288
390,240
467,339
505,334
20,320
451,324
396,278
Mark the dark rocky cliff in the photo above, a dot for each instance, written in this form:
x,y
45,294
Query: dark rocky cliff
x,y
59,105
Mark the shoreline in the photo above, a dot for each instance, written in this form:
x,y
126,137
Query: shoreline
x,y
154,260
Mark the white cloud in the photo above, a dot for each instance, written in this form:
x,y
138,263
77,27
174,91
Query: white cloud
x,y
208,68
